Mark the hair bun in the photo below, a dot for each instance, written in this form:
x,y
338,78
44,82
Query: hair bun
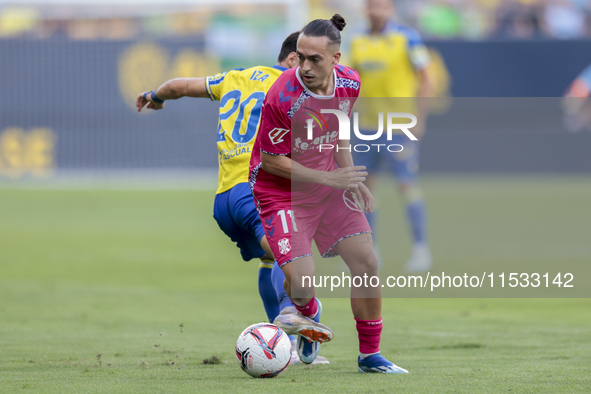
x,y
338,21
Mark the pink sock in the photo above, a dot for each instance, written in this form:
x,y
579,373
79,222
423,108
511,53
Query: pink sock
x,y
369,332
309,309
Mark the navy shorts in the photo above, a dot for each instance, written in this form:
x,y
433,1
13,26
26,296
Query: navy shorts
x,y
404,165
236,214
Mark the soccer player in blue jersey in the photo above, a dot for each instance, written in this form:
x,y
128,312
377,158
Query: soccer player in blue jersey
x,y
392,61
576,104
241,93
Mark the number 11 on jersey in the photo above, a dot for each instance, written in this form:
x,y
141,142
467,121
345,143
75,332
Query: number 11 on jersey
x,y
284,221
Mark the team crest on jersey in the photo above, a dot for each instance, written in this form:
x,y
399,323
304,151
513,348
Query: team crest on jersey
x,y
276,135
345,106
284,246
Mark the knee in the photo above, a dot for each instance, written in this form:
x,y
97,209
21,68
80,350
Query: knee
x,y
365,264
411,192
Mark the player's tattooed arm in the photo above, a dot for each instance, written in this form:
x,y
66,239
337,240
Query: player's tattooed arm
x,y
182,87
172,90
364,195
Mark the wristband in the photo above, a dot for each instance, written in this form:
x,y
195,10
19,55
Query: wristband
x,y
156,99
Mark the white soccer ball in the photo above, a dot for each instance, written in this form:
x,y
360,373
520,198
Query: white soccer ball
x,y
263,350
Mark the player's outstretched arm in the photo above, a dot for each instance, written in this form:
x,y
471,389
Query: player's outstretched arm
x,y
172,90
342,178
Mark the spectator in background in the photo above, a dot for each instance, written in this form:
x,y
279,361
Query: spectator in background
x,y
517,20
564,20
576,104
440,19
475,23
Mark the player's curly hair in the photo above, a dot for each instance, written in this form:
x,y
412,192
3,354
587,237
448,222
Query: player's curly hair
x,y
330,28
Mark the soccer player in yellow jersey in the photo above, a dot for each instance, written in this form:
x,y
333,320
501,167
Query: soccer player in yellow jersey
x,y
392,60
241,93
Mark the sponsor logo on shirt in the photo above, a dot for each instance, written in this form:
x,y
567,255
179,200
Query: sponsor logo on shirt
x,y
276,135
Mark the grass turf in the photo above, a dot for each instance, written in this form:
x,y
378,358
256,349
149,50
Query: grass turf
x,y
130,291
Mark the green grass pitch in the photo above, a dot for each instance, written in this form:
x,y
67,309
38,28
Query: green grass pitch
x,y
129,291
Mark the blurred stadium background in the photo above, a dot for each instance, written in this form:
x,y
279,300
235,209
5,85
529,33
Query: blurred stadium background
x,y
71,69
97,286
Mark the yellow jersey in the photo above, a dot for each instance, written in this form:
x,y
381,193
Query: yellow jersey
x,y
387,64
241,93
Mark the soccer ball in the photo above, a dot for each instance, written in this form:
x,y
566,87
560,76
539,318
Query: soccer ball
x,y
263,350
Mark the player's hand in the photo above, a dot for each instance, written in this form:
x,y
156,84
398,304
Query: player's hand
x,y
346,177
364,195
143,99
